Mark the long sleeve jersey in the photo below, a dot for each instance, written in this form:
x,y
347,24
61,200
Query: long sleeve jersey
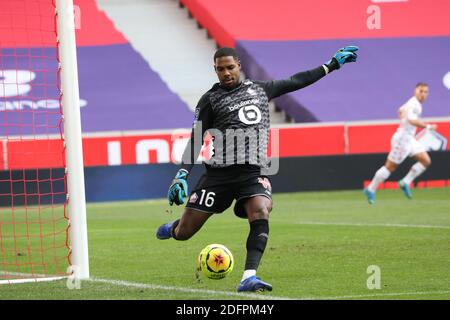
x,y
238,120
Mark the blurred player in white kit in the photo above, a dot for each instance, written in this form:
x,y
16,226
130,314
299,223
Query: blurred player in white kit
x,y
404,144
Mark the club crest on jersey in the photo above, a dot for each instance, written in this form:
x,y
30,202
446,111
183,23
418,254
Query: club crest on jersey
x,y
265,183
251,92
193,198
227,99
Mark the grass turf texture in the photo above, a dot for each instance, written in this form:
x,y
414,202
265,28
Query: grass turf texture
x,y
320,246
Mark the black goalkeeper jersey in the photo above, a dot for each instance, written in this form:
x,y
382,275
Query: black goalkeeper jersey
x,y
238,120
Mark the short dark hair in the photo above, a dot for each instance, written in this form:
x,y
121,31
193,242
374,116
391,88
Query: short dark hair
x,y
421,84
225,52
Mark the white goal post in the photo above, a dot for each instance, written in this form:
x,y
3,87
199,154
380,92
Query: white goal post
x,y
72,136
43,225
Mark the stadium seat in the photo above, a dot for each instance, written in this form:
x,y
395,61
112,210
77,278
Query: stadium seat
x,y
276,39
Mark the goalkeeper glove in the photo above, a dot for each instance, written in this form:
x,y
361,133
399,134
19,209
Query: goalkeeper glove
x,y
342,56
179,188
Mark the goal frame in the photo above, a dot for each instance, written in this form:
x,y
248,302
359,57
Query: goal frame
x,y
70,100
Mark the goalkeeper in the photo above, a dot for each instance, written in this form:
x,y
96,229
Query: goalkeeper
x,y
236,110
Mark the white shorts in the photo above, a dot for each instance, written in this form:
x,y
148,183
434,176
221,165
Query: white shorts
x,y
403,146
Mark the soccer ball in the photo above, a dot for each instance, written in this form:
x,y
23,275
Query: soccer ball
x,y
215,261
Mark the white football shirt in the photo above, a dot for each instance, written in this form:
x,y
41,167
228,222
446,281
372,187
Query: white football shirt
x,y
411,110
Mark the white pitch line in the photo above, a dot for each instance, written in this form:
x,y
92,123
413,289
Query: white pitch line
x,y
30,280
394,225
27,277
187,290
387,294
256,296
235,294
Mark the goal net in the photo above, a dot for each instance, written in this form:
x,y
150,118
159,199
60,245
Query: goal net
x,y
34,203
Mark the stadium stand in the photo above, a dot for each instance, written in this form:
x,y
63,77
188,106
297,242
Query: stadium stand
x,y
184,63
233,20
272,42
119,90
129,112
383,79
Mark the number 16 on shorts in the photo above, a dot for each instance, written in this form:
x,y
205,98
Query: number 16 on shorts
x,y
206,198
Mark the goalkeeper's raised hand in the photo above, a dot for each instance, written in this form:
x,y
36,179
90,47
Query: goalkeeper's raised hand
x,y
179,188
342,56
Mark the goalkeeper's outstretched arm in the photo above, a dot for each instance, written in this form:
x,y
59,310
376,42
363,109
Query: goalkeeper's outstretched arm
x,y
303,79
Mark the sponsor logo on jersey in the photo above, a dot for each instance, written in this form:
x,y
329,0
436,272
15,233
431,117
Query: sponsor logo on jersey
x,y
251,92
243,103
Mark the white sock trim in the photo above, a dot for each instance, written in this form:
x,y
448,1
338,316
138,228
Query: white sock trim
x,y
420,167
380,176
416,170
248,274
384,172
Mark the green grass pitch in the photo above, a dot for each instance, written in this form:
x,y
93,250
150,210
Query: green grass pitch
x,y
320,247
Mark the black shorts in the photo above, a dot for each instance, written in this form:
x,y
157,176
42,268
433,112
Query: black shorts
x,y
216,190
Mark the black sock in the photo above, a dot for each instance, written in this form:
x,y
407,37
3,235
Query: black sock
x,y
172,230
256,243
